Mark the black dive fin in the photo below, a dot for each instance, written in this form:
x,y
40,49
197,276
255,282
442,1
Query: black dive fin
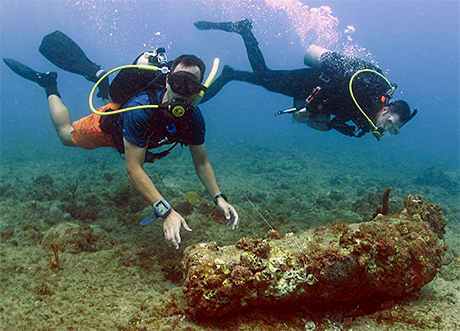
x,y
237,26
67,55
204,25
22,70
48,80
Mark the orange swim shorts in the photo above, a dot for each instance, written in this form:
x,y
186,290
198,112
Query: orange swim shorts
x,y
87,132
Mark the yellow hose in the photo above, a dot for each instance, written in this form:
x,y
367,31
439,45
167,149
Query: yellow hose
x,y
94,110
195,103
212,74
350,86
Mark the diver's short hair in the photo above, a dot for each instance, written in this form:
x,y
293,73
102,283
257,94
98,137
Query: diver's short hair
x,y
189,61
401,108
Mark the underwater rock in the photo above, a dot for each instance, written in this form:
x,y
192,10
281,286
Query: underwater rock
x,y
76,237
57,215
388,257
437,177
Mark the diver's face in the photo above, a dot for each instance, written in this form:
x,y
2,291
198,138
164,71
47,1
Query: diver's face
x,y
388,121
170,94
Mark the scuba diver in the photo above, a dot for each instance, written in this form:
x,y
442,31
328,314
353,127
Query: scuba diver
x,y
337,92
158,110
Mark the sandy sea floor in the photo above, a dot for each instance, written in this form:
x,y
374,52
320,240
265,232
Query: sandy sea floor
x,y
113,274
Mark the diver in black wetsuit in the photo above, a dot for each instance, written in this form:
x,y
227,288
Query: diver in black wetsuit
x,y
322,96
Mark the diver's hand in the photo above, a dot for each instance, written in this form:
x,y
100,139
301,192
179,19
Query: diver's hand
x,y
229,212
171,228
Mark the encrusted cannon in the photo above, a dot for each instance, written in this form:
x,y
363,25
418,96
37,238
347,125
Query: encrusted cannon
x,y
389,256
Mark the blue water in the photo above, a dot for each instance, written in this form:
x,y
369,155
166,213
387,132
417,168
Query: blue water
x,y
416,43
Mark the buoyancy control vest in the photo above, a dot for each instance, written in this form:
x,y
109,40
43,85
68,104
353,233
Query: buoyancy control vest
x,y
111,127
129,82
332,95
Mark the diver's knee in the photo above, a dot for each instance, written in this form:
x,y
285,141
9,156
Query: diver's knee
x,y
65,136
319,123
300,116
68,143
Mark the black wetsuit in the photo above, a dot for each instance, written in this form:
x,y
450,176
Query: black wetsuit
x,y
333,100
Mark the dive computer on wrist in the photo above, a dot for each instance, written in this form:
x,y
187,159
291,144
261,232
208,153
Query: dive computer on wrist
x,y
161,208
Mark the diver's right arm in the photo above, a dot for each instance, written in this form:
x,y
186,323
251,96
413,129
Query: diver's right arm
x,y
139,179
135,156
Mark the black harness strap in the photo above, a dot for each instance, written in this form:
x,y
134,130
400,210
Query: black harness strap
x,y
152,157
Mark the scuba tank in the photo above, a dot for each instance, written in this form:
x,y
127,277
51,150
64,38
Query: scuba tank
x,y
157,58
313,56
335,64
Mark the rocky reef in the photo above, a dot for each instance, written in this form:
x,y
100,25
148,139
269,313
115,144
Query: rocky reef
x,y
387,257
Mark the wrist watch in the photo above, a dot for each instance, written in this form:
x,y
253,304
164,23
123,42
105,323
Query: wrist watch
x,y
161,208
220,195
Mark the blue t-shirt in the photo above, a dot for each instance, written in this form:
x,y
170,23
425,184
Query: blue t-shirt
x,y
149,125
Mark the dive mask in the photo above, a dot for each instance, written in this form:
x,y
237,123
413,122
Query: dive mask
x,y
185,83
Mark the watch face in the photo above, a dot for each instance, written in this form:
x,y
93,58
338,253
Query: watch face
x,y
162,207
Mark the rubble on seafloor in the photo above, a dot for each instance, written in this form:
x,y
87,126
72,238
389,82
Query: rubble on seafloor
x,y
387,257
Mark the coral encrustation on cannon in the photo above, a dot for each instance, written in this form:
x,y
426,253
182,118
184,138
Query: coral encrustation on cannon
x,y
388,257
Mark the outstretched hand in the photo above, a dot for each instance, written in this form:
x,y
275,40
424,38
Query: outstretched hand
x,y
229,212
171,228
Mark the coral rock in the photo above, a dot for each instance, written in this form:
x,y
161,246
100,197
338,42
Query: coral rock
x,y
389,256
76,237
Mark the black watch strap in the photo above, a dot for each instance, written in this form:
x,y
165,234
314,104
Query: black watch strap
x,y
220,195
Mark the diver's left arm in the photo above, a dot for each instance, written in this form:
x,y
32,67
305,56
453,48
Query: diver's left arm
x,y
342,127
206,174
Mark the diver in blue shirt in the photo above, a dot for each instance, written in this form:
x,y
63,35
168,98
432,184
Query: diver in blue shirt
x,y
175,120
